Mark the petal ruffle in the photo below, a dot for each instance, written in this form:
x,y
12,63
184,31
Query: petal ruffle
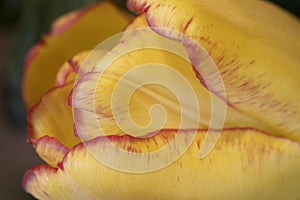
x,y
71,70
49,149
52,116
245,164
65,74
71,34
255,46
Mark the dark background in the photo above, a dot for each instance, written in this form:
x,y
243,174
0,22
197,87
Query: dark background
x,y
22,23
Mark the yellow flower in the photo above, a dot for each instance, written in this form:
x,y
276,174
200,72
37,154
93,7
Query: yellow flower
x,y
254,48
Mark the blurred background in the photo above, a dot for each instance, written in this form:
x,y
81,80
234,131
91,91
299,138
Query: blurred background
x,y
22,23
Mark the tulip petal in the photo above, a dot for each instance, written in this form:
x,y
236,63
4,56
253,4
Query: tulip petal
x,y
137,22
66,74
246,164
72,70
70,35
49,149
53,117
255,46
92,99
43,173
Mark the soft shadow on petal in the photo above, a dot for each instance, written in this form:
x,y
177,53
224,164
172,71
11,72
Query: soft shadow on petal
x,y
245,164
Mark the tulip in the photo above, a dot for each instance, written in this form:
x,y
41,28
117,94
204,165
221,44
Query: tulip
x,y
253,45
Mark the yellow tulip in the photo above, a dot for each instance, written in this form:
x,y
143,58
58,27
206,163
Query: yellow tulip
x,y
254,46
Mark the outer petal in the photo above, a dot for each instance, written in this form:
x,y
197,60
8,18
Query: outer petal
x,y
53,117
71,34
246,164
255,45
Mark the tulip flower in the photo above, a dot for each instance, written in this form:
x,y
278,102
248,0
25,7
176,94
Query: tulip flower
x,y
250,51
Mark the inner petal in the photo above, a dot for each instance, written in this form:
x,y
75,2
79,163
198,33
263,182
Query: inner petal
x,y
118,98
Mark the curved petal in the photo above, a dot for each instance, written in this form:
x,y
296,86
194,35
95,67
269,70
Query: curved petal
x,y
255,46
99,87
246,164
72,70
49,149
78,31
65,74
52,116
137,22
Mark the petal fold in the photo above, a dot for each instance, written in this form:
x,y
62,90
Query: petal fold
x,y
245,164
49,149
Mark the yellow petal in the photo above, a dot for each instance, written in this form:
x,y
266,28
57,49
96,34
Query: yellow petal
x,y
71,70
73,33
98,88
49,149
255,46
137,22
246,164
52,116
65,74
